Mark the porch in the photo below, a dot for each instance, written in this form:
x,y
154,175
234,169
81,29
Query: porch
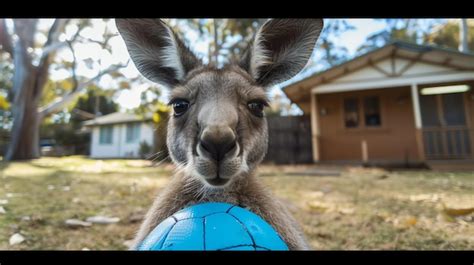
x,y
442,121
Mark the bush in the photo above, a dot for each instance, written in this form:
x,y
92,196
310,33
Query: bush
x,y
145,149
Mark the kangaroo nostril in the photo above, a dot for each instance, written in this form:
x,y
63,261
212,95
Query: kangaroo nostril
x,y
229,147
217,149
206,146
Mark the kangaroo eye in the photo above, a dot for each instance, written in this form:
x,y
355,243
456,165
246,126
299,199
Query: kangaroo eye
x,y
180,106
257,107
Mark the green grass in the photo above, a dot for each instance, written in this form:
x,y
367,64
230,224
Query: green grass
x,y
358,210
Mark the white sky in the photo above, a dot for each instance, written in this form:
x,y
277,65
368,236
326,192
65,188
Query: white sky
x,y
129,99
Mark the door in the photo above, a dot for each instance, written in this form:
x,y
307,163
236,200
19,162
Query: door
x,y
445,128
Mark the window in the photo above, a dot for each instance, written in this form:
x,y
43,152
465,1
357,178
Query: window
x,y
453,109
351,112
429,111
372,111
106,133
133,132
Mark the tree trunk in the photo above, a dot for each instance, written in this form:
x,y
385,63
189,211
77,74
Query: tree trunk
x,y
463,35
25,138
24,143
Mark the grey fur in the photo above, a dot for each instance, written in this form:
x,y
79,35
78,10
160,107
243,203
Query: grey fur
x,y
219,109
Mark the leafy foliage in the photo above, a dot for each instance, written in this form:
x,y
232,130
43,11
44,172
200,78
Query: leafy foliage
x,y
421,31
333,52
447,35
6,84
145,149
227,38
96,101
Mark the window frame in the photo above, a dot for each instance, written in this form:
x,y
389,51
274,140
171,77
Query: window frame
x,y
135,128
364,111
361,112
101,129
357,100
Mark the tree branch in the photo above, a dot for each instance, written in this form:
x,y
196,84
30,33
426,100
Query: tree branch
x,y
56,45
103,43
61,102
5,38
52,43
73,67
52,48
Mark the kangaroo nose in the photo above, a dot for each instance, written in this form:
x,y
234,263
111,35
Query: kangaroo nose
x,y
217,143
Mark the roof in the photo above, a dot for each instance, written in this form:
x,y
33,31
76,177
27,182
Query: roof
x,y
116,118
298,91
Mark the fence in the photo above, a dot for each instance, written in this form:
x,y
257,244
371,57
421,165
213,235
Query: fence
x,y
289,140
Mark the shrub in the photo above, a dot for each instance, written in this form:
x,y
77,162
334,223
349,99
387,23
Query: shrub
x,y
145,149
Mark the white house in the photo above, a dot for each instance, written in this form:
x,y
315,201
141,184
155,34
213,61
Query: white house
x,y
119,135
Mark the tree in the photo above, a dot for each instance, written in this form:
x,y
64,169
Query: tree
x,y
439,32
407,30
96,102
332,52
227,38
32,60
448,35
6,76
463,35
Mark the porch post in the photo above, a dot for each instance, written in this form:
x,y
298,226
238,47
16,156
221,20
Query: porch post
x,y
315,127
418,125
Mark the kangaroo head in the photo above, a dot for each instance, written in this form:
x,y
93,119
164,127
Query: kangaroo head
x,y
218,130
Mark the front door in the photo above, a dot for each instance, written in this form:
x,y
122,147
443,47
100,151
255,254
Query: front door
x,y
445,129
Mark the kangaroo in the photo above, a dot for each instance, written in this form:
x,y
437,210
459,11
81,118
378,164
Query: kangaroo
x,y
217,133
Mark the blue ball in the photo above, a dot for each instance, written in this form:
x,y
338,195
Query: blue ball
x,y
213,226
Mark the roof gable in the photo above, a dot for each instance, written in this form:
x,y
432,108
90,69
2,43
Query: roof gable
x,y
393,67
116,118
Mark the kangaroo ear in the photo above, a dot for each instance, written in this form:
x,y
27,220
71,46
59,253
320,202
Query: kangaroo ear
x,y
280,50
157,52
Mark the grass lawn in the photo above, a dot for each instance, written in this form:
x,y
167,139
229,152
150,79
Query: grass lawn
x,y
361,209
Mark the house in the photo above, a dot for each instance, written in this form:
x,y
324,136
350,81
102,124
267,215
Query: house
x,y
401,103
119,135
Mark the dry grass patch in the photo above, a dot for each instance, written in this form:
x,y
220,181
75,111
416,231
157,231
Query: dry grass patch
x,y
361,209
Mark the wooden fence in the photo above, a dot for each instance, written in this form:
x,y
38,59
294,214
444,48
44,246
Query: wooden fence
x,y
289,140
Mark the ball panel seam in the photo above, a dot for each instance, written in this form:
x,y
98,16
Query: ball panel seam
x,y
236,246
244,227
228,210
204,232
166,236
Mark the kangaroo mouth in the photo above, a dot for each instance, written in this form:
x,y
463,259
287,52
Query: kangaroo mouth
x,y
217,181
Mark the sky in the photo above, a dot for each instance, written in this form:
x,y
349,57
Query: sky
x,y
129,99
